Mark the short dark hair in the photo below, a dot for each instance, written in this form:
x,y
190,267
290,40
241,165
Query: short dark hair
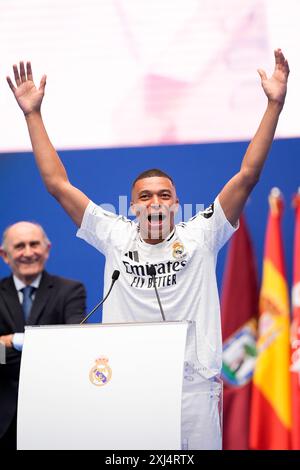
x,y
150,174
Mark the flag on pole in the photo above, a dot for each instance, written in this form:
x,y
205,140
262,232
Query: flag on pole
x,y
270,422
239,307
295,331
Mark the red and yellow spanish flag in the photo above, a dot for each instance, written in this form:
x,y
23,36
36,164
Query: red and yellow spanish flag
x,y
295,331
270,422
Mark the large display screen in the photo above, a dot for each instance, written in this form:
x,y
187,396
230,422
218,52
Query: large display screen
x,y
140,72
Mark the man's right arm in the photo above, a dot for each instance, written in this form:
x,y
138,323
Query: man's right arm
x,y
52,170
53,173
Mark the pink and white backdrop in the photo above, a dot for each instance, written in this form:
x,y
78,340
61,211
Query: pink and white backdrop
x,y
139,72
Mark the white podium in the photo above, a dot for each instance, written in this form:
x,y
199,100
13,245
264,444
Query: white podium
x,y
107,386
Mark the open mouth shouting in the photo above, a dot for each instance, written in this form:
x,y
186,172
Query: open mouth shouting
x,y
156,219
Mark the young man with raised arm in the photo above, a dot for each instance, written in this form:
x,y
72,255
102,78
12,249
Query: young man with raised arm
x,y
184,255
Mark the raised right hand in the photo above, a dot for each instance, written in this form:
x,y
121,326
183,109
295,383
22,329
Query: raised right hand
x,y
28,97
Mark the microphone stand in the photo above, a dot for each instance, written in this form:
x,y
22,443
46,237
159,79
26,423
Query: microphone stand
x,y
114,278
152,272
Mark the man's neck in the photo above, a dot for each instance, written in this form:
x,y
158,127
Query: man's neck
x,y
156,240
28,280
151,241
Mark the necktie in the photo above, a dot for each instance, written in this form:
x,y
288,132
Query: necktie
x,y
27,300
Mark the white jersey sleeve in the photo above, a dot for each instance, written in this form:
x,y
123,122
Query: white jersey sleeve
x,y
211,227
103,229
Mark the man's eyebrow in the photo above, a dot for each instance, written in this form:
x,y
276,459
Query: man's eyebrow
x,y
32,242
144,191
18,244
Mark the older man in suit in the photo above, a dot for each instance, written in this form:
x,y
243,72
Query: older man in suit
x,y
30,296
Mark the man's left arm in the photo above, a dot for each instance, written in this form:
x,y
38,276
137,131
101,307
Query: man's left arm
x,y
13,340
235,193
75,305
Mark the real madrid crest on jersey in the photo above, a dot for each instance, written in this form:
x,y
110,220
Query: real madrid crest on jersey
x,y
178,250
101,373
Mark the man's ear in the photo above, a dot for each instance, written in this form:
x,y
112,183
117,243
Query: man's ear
x,y
132,207
48,249
3,255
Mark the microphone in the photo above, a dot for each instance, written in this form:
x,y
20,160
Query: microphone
x,y
115,276
152,272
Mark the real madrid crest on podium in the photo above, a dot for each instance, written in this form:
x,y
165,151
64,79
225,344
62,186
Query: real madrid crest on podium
x,y
101,373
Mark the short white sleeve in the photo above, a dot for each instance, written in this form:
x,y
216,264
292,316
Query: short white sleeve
x,y
212,226
103,229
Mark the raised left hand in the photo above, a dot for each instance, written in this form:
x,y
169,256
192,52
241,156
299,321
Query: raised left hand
x,y
275,87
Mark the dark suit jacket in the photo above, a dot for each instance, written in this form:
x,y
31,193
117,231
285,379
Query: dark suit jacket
x,y
57,301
